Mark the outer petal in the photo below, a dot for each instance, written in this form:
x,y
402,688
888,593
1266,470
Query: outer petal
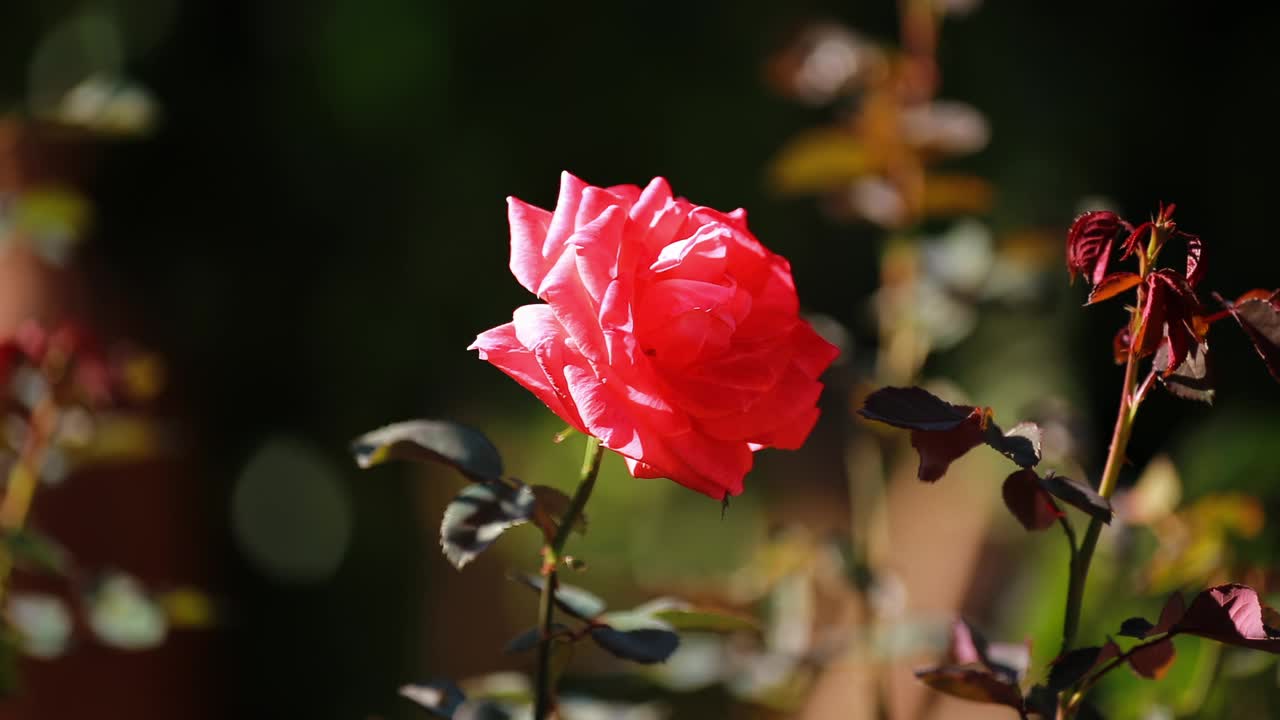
x,y
528,233
811,351
502,347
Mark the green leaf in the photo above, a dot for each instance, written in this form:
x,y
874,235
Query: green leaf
x,y
33,550
646,646
579,603
464,448
479,514
681,615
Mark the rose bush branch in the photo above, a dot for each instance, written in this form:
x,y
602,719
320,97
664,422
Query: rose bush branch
x,y
544,699
1167,326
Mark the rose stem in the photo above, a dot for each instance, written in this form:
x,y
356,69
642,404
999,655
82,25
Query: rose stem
x,y
1088,683
1110,473
550,559
23,479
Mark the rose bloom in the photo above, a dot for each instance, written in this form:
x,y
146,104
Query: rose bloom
x,y
669,332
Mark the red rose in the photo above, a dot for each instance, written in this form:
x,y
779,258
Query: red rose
x,y
669,332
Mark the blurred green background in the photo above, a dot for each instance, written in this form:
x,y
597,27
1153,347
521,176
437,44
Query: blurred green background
x,y
316,230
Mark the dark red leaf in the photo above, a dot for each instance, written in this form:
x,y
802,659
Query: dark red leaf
x,y
1195,259
1113,285
1174,608
1078,495
1089,243
1168,311
1071,666
939,449
1192,380
1231,614
1260,320
1030,503
1154,660
913,408
1136,627
1021,444
941,432
972,684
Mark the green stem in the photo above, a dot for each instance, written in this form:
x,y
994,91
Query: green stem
x,y
1110,474
543,701
23,480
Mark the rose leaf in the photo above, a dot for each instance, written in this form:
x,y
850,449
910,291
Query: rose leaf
x,y
1154,660
1174,608
479,514
1260,320
914,408
972,684
1231,614
1193,379
1071,666
1112,285
1135,627
464,448
530,638
1021,444
645,645
1029,502
579,603
1078,495
680,615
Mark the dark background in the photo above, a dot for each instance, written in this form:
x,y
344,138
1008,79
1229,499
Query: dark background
x,y
317,230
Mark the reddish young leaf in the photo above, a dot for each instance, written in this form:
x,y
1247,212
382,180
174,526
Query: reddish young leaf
x,y
1260,320
1174,608
1112,285
1030,503
972,684
1195,258
1089,243
1152,661
913,408
1231,614
1133,243
1169,310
